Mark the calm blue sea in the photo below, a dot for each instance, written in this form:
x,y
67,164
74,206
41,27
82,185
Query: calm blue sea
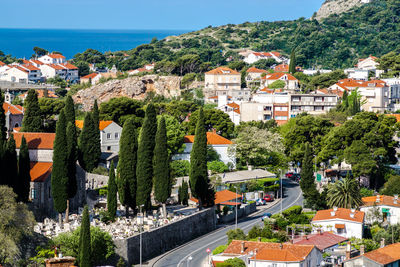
x,y
19,42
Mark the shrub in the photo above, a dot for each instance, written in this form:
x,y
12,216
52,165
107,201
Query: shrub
x,y
254,232
217,167
225,210
237,234
100,170
292,210
179,168
235,262
219,249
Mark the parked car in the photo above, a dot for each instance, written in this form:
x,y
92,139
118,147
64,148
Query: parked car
x,y
266,216
260,202
268,198
289,175
296,177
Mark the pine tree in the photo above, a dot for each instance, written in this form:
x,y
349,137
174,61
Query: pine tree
x,y
126,171
24,177
32,121
72,147
89,154
11,165
112,193
59,176
144,170
292,64
199,181
162,180
69,110
85,248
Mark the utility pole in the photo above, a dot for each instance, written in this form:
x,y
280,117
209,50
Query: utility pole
x,y
280,173
236,208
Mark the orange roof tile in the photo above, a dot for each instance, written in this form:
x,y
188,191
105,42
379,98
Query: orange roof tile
x,y
40,94
223,71
2,63
90,76
255,70
383,200
102,124
397,116
341,213
35,140
20,68
223,197
282,68
279,75
56,66
212,139
14,109
321,240
270,251
17,129
40,171
236,107
30,67
38,62
56,56
69,66
385,255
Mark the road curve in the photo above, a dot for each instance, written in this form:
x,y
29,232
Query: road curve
x,y
197,248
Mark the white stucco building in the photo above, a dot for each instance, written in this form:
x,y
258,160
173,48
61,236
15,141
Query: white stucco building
x,y
52,59
221,81
387,206
217,142
291,83
344,222
256,56
110,134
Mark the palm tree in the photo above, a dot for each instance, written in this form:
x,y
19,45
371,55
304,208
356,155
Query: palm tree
x,y
344,194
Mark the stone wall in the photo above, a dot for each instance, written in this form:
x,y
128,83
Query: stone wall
x,y
243,211
158,241
94,181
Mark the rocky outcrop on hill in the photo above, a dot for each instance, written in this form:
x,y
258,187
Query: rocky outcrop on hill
x,y
133,87
330,7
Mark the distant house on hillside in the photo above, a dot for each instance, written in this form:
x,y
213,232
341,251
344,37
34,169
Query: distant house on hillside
x,y
94,78
52,59
256,56
110,133
217,142
291,83
40,93
285,68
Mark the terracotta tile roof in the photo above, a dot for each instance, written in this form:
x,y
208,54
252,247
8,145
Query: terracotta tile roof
x,y
223,71
102,124
2,63
397,116
383,200
282,68
20,68
69,66
56,56
370,57
40,94
278,76
37,62
90,76
40,171
30,67
271,251
17,129
255,70
341,213
321,240
212,139
223,197
267,90
14,109
267,54
236,107
326,91
385,255
35,140
360,83
216,97
56,66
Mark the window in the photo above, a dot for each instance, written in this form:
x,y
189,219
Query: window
x,y
267,117
109,148
281,108
109,136
296,99
318,108
267,108
281,118
116,135
33,193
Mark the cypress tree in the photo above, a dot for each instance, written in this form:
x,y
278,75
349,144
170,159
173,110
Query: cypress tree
x,y
59,176
72,186
95,114
292,64
306,173
112,193
32,121
144,170
11,164
184,193
85,249
24,177
96,122
69,110
3,128
126,171
198,175
162,180
89,154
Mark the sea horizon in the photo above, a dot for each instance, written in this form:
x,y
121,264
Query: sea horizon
x,y
19,42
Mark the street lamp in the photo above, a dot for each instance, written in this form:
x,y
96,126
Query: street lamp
x,y
140,234
236,208
280,173
188,260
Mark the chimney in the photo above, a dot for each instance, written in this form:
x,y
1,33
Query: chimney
x,y
383,243
352,215
333,213
242,247
362,249
348,250
335,208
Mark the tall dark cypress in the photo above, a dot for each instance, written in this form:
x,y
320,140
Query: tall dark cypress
x,y
112,193
69,110
144,170
72,151
126,171
59,176
292,64
11,164
96,122
198,175
162,179
85,247
24,177
32,121
88,155
307,175
3,129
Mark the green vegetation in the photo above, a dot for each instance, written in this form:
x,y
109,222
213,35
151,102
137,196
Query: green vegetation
x,y
219,249
180,168
85,247
32,121
235,262
89,144
183,193
112,193
24,177
392,186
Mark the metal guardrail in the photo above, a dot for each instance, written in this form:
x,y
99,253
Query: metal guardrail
x,y
24,86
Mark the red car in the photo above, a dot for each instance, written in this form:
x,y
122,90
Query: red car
x,y
268,198
289,174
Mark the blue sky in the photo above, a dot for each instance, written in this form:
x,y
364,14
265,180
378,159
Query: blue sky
x,y
148,14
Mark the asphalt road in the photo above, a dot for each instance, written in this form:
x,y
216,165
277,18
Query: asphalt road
x,y
197,248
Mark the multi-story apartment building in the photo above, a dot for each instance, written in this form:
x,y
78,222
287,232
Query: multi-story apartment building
x,y
312,103
21,74
53,59
394,93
